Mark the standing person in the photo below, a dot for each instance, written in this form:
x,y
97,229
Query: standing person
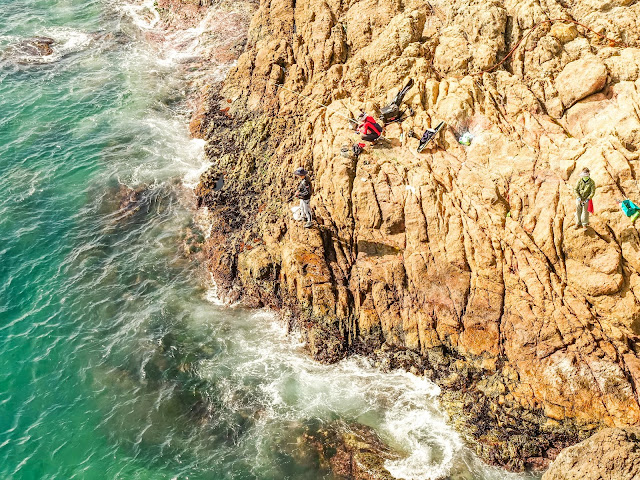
x,y
304,191
369,128
585,190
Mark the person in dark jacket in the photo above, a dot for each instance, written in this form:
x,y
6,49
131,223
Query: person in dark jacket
x,y
369,128
304,191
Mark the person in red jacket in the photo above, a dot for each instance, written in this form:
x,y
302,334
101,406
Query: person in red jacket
x,y
369,128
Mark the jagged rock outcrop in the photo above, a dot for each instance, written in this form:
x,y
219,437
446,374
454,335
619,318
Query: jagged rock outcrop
x,y
468,251
611,454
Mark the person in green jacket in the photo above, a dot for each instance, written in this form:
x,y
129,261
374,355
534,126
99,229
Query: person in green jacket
x,y
585,190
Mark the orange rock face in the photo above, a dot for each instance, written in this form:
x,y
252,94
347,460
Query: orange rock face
x,y
612,453
468,250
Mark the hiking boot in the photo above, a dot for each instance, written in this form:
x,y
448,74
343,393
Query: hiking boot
x,y
578,226
309,224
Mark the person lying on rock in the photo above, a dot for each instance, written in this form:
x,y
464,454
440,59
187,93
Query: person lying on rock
x,y
630,209
304,191
369,128
585,190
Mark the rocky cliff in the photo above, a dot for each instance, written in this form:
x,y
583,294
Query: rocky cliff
x,y
462,262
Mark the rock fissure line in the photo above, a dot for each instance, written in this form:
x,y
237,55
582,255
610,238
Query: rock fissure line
x,y
479,278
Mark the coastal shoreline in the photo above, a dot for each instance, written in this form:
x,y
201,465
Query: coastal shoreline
x,y
394,283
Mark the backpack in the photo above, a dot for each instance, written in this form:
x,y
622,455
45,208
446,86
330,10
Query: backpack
x,y
390,113
629,208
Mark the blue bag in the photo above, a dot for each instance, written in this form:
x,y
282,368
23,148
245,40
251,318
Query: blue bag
x,y
629,208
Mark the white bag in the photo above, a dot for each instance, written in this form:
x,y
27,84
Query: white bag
x,y
297,213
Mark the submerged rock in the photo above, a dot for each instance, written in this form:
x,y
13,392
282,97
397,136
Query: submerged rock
x,y
350,451
31,47
131,200
131,204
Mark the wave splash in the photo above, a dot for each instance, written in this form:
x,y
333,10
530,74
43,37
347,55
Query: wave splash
x,y
151,378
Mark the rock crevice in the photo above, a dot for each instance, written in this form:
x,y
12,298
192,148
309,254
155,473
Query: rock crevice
x,y
464,258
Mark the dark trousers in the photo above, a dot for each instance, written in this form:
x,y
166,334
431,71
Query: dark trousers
x,y
370,137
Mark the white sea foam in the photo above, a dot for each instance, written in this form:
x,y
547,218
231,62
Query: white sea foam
x,y
197,165
294,389
143,14
66,42
188,45
431,443
179,47
211,294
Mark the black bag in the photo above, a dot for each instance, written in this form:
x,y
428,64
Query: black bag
x,y
400,96
390,113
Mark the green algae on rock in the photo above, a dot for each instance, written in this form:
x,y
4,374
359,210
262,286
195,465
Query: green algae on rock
x,y
536,325
350,451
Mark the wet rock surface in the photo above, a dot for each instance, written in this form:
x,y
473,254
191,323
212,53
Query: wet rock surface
x,y
30,47
349,451
37,46
463,260
478,404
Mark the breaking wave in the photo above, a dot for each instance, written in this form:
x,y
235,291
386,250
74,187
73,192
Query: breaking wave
x,y
115,360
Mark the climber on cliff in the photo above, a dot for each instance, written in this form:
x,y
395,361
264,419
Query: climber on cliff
x,y
304,191
369,128
585,190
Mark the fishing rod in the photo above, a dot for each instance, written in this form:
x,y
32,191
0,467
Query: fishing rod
x,y
315,101
351,120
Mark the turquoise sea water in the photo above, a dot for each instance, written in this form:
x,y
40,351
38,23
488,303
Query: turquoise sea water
x,y
115,360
